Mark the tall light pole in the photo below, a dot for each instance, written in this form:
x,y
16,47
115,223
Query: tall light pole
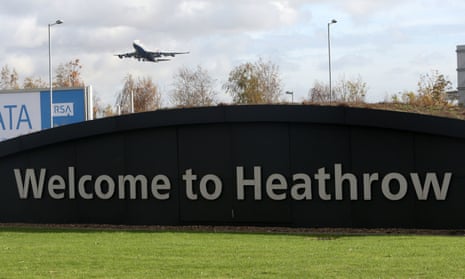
x,y
329,59
50,68
292,95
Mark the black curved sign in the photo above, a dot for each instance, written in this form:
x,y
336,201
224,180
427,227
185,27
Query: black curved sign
x,y
300,166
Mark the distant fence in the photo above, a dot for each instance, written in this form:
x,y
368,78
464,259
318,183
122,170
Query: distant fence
x,y
279,165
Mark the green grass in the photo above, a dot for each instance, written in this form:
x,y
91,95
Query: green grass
x,y
67,253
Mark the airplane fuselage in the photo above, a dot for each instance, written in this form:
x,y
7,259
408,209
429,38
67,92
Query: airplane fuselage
x,y
142,54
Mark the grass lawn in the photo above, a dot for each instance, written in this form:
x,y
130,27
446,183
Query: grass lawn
x,y
69,253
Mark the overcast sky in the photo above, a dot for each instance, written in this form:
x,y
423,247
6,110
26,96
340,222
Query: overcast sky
x,y
389,43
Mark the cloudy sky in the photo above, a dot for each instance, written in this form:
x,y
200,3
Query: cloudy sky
x,y
389,43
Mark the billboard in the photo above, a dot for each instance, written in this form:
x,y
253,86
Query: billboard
x,y
26,111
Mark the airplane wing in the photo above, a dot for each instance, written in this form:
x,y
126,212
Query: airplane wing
x,y
154,60
166,53
126,55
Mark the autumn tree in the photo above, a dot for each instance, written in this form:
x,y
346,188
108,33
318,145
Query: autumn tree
x,y
31,82
193,88
69,74
351,91
9,78
432,88
108,111
319,93
432,91
99,109
345,91
254,83
66,75
144,92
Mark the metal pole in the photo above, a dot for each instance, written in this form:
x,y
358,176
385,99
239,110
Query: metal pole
x,y
329,60
50,74
292,95
132,101
50,68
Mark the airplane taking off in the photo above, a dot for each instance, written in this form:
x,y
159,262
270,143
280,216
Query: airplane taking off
x,y
143,55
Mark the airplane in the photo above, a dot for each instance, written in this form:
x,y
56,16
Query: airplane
x,y
151,56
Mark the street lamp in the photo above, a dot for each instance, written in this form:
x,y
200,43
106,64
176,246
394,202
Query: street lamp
x,y
50,68
329,58
292,95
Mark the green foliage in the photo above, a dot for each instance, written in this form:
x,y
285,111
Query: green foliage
x,y
254,83
32,253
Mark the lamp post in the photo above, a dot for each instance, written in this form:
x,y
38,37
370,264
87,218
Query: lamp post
x,y
50,68
329,58
292,95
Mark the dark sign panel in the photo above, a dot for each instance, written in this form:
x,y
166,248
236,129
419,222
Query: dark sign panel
x,y
300,166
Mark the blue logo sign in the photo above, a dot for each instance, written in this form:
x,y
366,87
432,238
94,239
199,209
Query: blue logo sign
x,y
68,107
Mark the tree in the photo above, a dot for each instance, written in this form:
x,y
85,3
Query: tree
x,y
69,74
432,88
431,91
108,111
66,75
319,93
193,88
254,83
9,78
147,96
144,92
345,91
351,91
31,82
99,109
